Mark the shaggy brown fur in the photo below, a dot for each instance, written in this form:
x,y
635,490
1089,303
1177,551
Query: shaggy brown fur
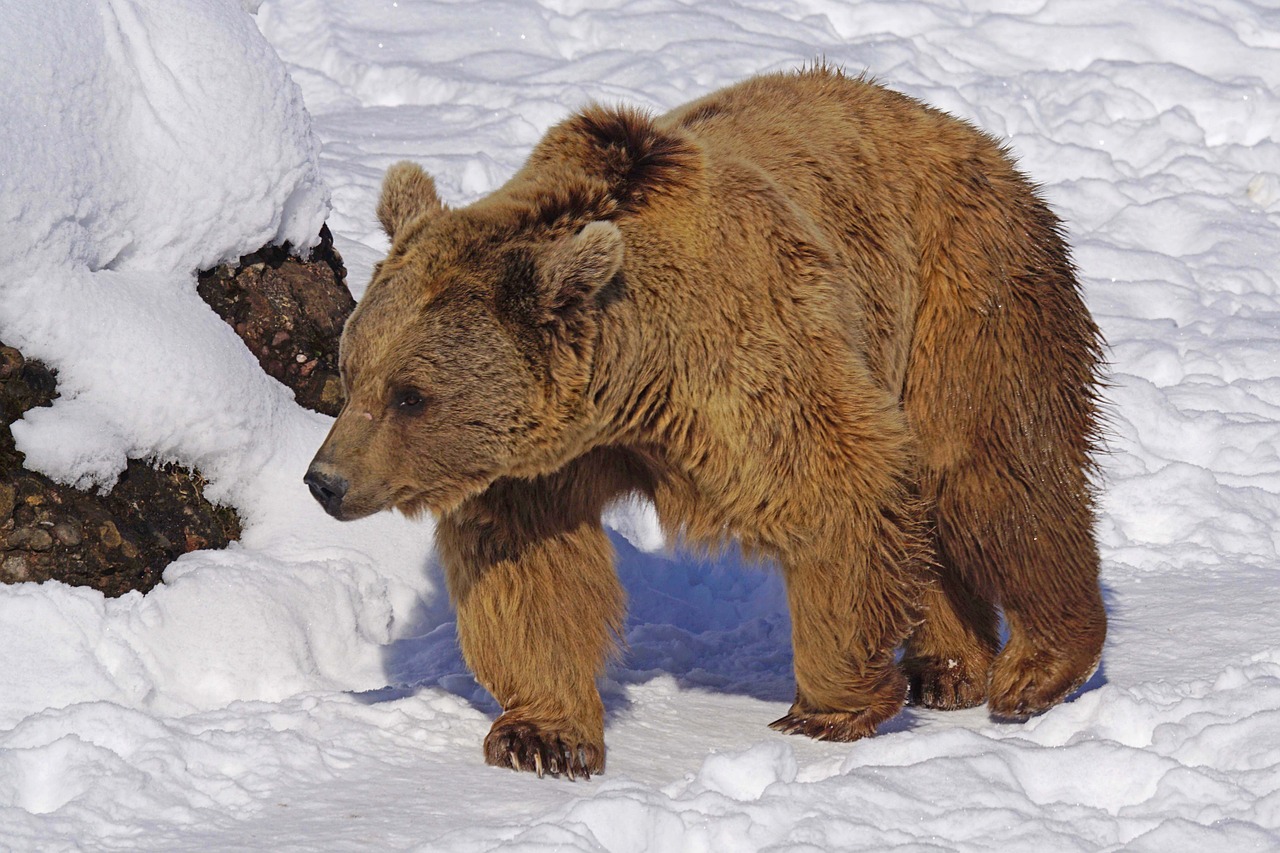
x,y
805,313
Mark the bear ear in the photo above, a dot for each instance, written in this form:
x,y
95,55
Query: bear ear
x,y
577,267
407,193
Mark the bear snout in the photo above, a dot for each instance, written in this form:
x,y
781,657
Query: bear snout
x,y
327,488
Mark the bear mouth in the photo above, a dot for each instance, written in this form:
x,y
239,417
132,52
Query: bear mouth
x,y
414,502
348,512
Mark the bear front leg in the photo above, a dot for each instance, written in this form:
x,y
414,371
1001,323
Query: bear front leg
x,y
847,622
538,608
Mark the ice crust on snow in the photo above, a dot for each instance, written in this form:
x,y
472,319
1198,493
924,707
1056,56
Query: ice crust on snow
x,y
303,689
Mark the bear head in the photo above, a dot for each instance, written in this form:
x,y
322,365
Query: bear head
x,y
468,358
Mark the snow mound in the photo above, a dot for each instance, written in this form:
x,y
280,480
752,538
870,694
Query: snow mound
x,y
178,139
142,141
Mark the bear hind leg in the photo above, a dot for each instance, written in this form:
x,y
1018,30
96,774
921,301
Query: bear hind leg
x,y
1001,391
847,625
1034,549
1055,640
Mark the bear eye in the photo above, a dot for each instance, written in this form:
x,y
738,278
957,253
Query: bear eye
x,y
409,401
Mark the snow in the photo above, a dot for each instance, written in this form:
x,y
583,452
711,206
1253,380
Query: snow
x,y
303,689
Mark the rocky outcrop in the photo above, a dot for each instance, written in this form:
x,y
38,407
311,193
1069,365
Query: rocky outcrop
x,y
115,542
290,314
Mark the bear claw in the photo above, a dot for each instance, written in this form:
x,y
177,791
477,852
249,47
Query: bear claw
x,y
523,746
946,685
827,725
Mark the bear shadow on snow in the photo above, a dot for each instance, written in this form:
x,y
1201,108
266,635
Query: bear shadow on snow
x,y
713,623
718,624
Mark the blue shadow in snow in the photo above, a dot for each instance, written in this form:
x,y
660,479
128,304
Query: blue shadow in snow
x,y
719,625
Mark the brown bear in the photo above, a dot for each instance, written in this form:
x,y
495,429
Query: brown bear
x,y
805,314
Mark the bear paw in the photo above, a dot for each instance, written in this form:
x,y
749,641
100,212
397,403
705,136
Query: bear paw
x,y
828,725
522,745
1023,685
946,684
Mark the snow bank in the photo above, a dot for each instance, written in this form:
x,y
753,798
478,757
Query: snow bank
x,y
151,136
142,141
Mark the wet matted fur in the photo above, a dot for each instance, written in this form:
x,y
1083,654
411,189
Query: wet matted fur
x,y
804,313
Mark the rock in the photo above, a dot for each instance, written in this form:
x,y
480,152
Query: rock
x,y
8,499
69,533
109,534
290,313
132,529
29,539
13,569
11,362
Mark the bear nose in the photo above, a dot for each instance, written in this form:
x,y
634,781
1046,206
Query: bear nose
x,y
327,488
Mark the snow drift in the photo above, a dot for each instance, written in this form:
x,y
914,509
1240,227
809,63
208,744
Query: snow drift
x,y
142,141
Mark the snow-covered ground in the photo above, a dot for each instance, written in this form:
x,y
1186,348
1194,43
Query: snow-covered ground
x,y
303,690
